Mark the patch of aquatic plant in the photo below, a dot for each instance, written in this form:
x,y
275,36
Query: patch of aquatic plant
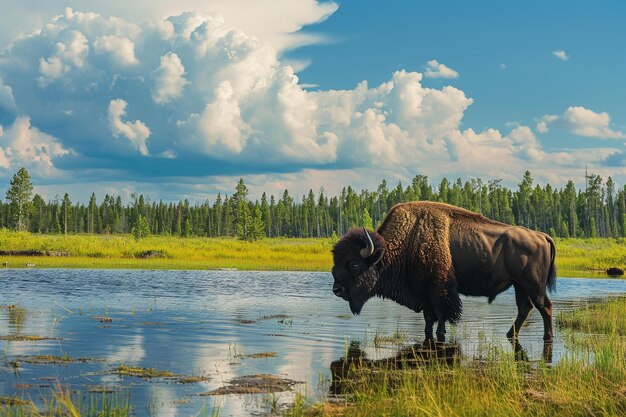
x,y
607,317
257,355
142,372
25,338
253,384
50,360
152,373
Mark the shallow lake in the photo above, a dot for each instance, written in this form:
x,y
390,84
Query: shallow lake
x,y
220,325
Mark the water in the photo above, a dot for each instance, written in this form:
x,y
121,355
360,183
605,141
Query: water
x,y
200,323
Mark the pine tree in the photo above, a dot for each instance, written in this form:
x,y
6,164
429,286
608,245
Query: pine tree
x,y
66,212
141,228
366,220
19,195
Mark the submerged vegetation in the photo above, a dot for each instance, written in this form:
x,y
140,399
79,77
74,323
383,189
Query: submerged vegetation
x,y
575,257
589,380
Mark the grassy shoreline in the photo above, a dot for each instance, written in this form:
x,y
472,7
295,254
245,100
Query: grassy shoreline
x,y
589,380
575,257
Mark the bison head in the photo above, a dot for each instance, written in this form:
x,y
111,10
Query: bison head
x,y
354,258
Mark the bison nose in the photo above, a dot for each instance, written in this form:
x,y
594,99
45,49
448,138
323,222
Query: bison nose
x,y
339,290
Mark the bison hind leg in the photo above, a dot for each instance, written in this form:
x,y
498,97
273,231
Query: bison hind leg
x,y
447,302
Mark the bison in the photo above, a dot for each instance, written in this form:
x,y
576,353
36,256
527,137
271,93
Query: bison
x,y
425,254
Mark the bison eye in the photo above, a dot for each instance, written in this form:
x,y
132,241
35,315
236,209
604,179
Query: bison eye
x,y
354,266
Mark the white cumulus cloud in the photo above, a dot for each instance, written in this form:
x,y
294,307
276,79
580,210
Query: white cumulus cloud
x,y
24,145
582,122
136,132
192,95
436,70
121,49
169,79
70,52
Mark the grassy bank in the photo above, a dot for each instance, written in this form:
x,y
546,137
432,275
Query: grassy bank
x,y
589,381
165,252
575,257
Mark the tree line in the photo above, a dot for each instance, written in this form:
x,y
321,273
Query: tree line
x,y
599,210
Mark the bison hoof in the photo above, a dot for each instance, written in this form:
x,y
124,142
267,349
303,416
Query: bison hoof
x,y
429,343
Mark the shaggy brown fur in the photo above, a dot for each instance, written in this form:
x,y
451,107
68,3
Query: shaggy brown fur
x,y
427,253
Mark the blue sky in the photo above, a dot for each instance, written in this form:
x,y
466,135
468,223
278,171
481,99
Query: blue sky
x,y
180,99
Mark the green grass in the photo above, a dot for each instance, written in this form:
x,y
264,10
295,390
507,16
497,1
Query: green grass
x,y
65,403
589,257
606,318
590,380
575,257
123,252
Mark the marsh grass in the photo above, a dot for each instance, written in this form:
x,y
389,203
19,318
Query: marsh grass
x,y
124,252
606,318
589,257
575,257
67,403
589,380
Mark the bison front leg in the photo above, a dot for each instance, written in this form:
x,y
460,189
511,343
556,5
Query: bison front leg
x,y
441,330
430,318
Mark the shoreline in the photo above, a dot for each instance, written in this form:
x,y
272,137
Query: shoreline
x,y
576,258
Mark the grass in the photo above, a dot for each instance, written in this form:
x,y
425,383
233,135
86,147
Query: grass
x,y
575,257
65,403
605,318
589,257
590,380
124,252
142,372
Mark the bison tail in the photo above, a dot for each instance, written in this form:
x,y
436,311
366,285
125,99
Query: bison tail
x,y
551,281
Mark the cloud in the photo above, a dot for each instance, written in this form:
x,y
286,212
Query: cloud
x,y
169,79
277,22
582,122
121,49
561,54
70,52
191,96
24,145
436,70
7,100
136,132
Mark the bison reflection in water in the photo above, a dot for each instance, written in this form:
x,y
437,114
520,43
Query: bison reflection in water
x,y
424,254
345,370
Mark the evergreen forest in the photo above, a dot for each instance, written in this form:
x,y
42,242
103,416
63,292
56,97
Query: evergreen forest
x,y
598,210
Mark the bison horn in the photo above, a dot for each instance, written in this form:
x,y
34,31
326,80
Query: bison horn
x,y
367,251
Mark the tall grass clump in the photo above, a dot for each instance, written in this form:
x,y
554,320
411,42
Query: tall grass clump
x,y
64,403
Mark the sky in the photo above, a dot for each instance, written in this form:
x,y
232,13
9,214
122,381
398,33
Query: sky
x,y
180,99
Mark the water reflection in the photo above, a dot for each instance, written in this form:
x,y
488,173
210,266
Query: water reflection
x,y
195,322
